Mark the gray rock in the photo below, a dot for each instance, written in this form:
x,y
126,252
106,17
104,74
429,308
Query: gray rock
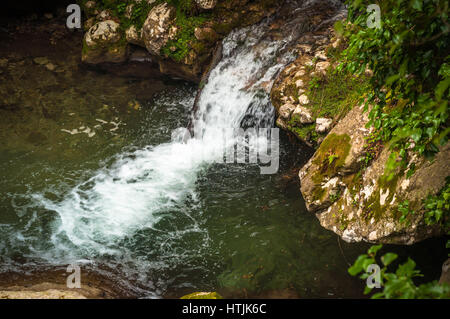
x,y
286,110
303,99
102,43
303,115
134,36
355,202
323,125
157,29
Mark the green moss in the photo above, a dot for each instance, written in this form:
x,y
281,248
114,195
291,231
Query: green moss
x,y
185,38
335,146
304,132
373,207
318,193
336,93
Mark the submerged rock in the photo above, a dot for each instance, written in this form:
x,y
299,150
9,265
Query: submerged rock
x,y
203,295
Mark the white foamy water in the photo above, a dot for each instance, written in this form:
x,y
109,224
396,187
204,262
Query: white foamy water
x,y
119,200
98,215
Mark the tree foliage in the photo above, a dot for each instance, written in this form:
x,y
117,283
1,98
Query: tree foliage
x,y
409,57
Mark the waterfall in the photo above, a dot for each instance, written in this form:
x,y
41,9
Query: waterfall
x,y
97,218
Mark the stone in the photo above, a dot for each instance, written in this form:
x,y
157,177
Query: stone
x,y
299,83
134,36
303,99
365,209
157,27
50,67
336,44
129,11
102,44
323,125
300,73
103,32
206,4
203,295
105,15
445,275
40,60
207,34
320,55
286,110
303,115
321,67
305,48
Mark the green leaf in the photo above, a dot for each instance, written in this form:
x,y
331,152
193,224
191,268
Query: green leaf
x,y
374,249
388,258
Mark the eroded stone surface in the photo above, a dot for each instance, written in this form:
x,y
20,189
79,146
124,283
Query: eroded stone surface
x,y
361,204
157,27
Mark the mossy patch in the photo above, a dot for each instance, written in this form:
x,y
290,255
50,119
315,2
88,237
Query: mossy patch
x,y
334,94
202,295
331,155
185,40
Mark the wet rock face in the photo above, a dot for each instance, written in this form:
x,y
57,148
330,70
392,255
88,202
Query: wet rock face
x,y
290,91
360,203
102,43
157,28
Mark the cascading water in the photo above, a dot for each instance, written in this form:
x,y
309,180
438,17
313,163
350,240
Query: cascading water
x,y
133,217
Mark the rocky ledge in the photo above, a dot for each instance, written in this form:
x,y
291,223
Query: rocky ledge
x,y
347,183
179,36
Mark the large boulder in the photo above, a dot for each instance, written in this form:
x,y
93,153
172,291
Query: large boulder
x,y
362,203
103,43
159,27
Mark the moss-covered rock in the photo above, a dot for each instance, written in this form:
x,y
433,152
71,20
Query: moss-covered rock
x,y
104,43
202,295
181,35
360,201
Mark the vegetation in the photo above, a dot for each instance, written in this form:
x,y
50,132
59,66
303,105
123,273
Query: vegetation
x,y
408,54
332,95
409,57
398,283
178,48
